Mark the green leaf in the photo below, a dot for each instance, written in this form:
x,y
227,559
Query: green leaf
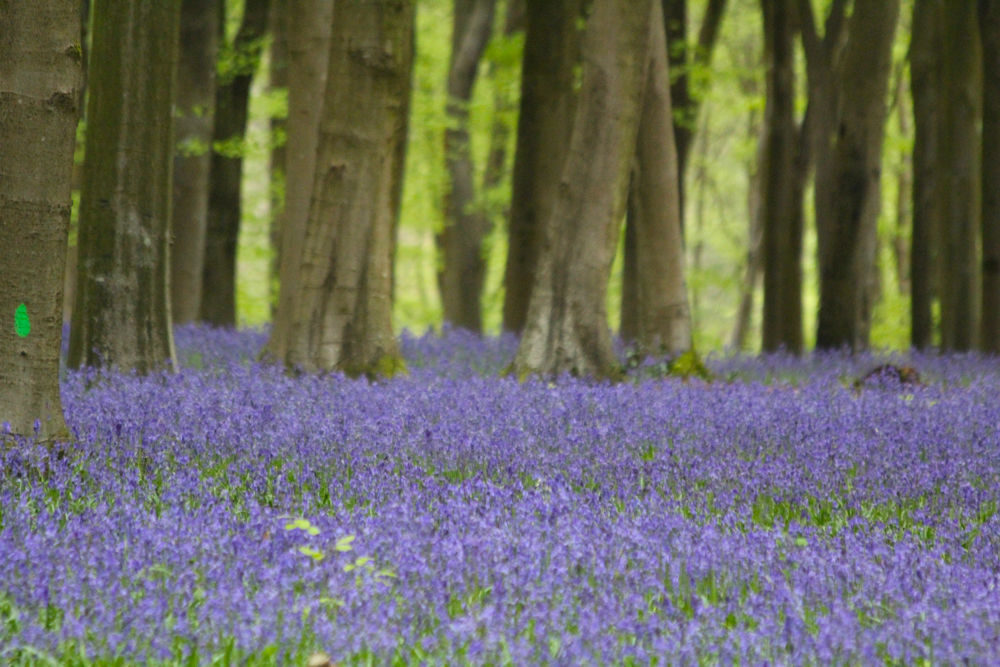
x,y
302,524
22,325
344,543
312,553
363,561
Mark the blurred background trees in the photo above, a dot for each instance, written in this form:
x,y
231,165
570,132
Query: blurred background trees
x,y
843,150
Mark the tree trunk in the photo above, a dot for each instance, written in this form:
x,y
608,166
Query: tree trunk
x,y
567,328
958,163
989,32
308,55
662,315
466,224
682,58
121,318
342,308
232,97
40,73
904,190
925,83
847,227
279,136
193,120
782,233
504,114
548,98
755,227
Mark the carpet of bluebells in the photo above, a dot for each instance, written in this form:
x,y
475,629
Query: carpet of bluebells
x,y
233,514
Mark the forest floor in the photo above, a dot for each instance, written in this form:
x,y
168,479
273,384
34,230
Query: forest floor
x,y
231,514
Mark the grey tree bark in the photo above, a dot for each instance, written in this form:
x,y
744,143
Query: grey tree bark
x,y
121,317
925,83
278,83
782,217
341,310
232,96
504,111
685,102
460,242
989,31
40,74
661,311
567,329
682,58
958,158
548,100
308,56
846,221
755,227
193,120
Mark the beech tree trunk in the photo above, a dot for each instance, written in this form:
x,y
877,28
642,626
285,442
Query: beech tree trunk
x,y
653,237
782,220
193,120
755,227
466,224
121,318
904,191
847,225
504,115
232,98
308,58
958,158
567,328
682,57
925,82
278,83
989,31
40,74
548,99
342,307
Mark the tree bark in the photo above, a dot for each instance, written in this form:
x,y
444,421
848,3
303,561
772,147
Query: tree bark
x,y
989,31
121,318
681,59
925,82
466,223
504,111
548,98
342,308
662,314
904,190
958,163
755,227
782,232
847,225
567,328
193,121
309,55
40,74
232,97
278,84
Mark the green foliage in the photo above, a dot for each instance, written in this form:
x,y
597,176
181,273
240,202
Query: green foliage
x,y
235,60
385,366
687,365
192,147
233,147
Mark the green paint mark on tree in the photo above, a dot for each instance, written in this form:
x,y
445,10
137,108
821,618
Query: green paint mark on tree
x,y
22,325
